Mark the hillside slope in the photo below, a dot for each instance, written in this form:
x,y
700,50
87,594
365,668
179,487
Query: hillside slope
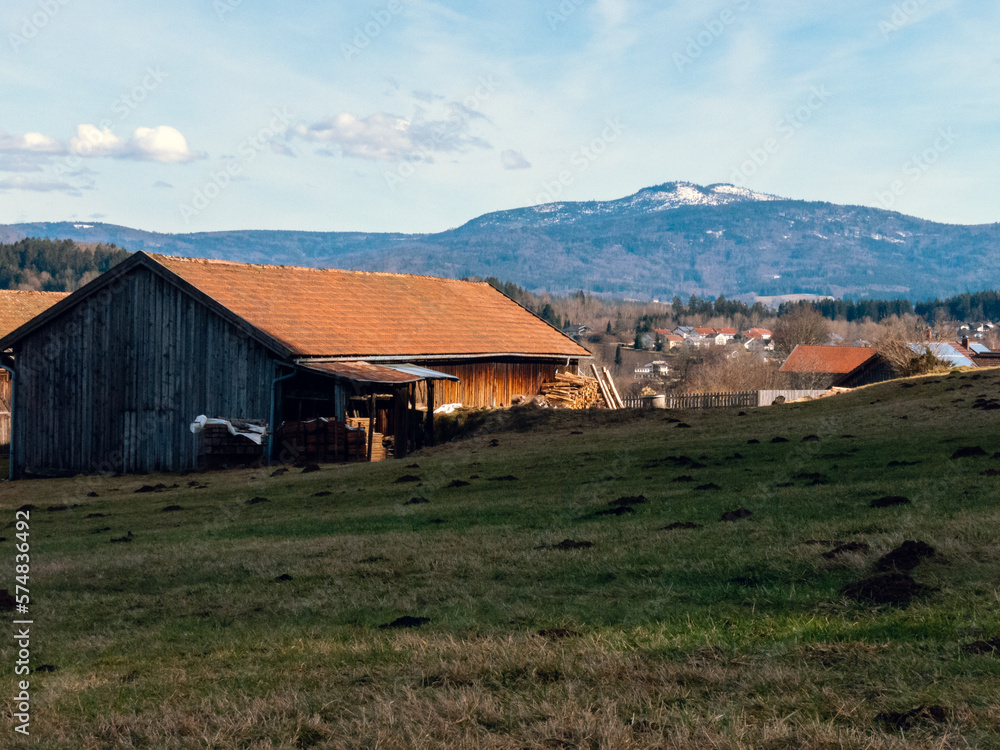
x,y
674,238
566,580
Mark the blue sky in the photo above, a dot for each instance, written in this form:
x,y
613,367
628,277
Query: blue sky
x,y
416,116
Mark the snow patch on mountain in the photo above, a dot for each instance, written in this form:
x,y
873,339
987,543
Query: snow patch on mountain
x,y
666,197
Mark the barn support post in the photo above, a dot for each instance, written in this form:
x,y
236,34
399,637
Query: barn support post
x,y
429,424
270,425
371,423
7,363
401,420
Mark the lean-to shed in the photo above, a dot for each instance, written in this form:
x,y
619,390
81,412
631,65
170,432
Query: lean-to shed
x,y
17,308
109,378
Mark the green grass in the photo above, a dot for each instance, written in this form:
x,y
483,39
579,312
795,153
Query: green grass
x,y
732,635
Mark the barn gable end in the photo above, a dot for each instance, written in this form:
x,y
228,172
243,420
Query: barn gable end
x,y
123,371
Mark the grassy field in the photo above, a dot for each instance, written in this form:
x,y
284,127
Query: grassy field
x,y
217,623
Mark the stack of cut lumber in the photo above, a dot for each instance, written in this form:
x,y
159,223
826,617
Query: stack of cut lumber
x,y
572,391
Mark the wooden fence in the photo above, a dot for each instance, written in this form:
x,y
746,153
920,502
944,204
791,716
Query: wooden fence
x,y
719,400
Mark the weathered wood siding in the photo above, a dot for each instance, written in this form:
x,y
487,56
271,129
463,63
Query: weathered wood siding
x,y
492,383
4,412
113,384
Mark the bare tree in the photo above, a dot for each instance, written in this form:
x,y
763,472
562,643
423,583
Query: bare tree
x,y
803,326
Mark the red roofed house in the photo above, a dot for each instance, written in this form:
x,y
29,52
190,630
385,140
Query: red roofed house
x,y
16,309
841,366
112,376
669,339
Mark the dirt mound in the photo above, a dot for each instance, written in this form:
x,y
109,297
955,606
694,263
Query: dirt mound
x,y
682,525
94,515
752,441
982,647
568,544
683,425
122,539
736,515
7,601
888,588
283,577
888,500
279,472
255,500
505,478
406,621
906,556
810,439
559,633
152,488
416,501
969,451
684,478
628,500
709,486
779,439
171,509
310,468
101,531
322,493
457,483
407,478
27,507
56,508
893,464
909,719
412,466
618,510
844,548
92,494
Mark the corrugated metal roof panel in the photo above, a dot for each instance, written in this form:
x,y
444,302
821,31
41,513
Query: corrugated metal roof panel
x,y
423,372
362,372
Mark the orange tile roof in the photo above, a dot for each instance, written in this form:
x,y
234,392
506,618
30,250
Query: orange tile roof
x,y
832,359
335,313
17,307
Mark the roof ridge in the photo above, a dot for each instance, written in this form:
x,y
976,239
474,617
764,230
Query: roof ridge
x,y
236,263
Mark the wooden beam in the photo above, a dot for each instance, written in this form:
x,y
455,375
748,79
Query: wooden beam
x,y
604,388
371,424
429,423
614,388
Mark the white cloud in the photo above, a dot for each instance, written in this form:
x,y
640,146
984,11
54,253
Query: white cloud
x,y
514,160
31,142
386,137
92,141
162,144
40,186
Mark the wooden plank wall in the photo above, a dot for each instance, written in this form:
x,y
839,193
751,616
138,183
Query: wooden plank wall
x,y
491,384
4,412
113,384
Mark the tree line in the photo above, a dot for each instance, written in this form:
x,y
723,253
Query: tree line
x,y
45,265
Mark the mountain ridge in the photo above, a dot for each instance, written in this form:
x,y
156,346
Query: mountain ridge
x,y
673,238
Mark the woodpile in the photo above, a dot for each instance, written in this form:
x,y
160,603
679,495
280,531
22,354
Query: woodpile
x,y
321,441
569,391
219,449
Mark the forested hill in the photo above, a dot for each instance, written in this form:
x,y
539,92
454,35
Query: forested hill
x,y
54,265
671,239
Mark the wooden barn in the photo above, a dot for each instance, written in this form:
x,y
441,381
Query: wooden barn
x,y
110,378
17,308
840,366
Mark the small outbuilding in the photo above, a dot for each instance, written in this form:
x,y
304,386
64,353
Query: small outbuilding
x,y
840,366
111,377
